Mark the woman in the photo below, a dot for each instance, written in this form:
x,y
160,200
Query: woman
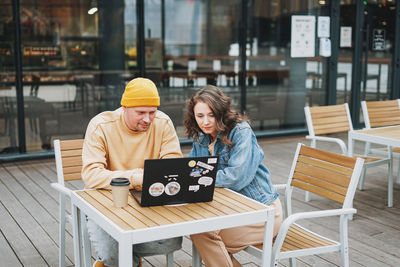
x,y
217,129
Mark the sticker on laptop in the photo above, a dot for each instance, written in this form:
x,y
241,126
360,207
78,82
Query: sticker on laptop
x,y
194,188
192,163
205,180
171,177
212,160
156,189
196,172
204,165
172,188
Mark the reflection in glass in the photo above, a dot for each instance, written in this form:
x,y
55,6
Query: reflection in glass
x,y
77,60
188,45
8,113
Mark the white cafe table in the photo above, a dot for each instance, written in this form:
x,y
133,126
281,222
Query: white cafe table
x,y
388,136
135,224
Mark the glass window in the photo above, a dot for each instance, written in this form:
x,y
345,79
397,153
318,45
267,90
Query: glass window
x,y
378,50
8,113
190,44
280,82
77,57
74,61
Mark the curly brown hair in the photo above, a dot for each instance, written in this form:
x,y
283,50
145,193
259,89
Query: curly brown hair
x,y
226,117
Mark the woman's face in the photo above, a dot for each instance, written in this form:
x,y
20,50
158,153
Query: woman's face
x,y
205,119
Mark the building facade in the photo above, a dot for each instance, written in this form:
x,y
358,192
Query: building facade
x,y
62,62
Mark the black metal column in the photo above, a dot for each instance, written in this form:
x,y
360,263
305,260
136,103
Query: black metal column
x,y
357,65
332,62
18,80
242,44
394,93
163,31
111,51
365,61
140,37
208,26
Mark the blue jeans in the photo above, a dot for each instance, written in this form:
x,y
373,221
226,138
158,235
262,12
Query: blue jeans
x,y
106,247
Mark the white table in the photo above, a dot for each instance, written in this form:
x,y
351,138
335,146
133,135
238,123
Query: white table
x,y
388,136
135,224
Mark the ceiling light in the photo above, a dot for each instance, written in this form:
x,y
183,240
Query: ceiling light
x,y
93,7
92,10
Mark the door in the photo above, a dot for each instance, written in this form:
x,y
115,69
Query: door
x,y
378,34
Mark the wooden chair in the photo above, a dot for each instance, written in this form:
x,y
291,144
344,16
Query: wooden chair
x,y
323,120
326,174
68,156
380,114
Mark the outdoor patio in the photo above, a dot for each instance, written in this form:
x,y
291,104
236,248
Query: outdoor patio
x,y
29,215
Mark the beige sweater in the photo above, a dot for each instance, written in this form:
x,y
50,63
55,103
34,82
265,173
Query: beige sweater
x,y
112,150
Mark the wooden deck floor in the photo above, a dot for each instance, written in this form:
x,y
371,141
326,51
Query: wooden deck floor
x,y
29,216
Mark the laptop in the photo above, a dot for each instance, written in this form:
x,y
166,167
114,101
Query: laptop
x,y
177,181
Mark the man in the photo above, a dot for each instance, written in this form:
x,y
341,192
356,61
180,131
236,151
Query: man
x,y
116,145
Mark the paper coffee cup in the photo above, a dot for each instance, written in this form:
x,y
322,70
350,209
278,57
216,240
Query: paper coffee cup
x,y
120,191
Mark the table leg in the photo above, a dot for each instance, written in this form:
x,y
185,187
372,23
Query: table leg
x,y
125,252
76,222
378,83
350,152
390,182
86,253
345,87
170,259
267,244
196,260
397,175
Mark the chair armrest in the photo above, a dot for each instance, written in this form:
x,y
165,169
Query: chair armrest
x,y
338,141
280,186
61,189
307,215
315,214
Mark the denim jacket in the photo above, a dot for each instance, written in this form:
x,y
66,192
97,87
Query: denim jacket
x,y
240,168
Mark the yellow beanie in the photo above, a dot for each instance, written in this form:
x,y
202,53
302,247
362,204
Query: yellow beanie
x,y
140,92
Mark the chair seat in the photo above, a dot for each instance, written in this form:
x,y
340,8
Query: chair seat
x,y
298,238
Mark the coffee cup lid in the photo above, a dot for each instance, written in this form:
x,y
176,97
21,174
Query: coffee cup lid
x,y
120,182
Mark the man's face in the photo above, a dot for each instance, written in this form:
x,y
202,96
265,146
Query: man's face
x,y
139,118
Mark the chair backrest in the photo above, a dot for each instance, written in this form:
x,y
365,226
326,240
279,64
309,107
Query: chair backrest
x,y
68,156
327,174
328,119
381,113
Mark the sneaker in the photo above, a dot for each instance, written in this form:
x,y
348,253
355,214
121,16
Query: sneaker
x,y
98,263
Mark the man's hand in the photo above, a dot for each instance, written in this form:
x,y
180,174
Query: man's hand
x,y
137,179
